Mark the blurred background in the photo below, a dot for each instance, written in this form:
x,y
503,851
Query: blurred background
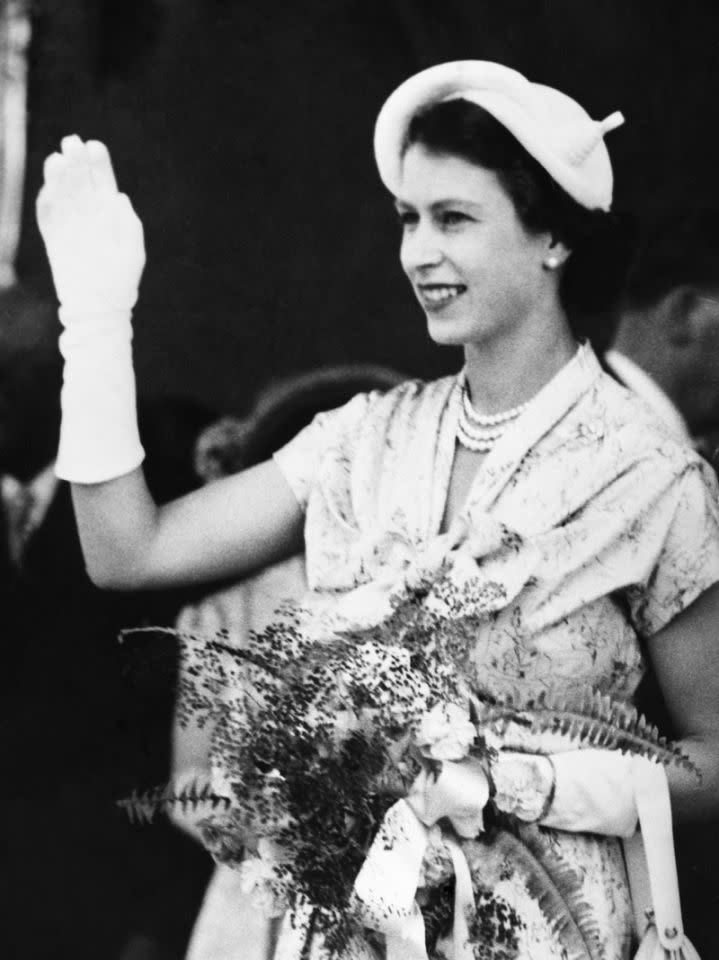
x,y
242,131
243,134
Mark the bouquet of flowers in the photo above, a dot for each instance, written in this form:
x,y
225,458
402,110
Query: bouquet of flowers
x,y
326,718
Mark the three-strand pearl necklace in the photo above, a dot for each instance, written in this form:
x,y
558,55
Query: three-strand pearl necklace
x,y
479,431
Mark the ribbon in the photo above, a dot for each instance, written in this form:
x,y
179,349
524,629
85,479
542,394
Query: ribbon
x,y
652,870
386,886
384,891
460,793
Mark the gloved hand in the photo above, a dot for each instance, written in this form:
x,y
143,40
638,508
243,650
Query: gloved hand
x,y
587,791
460,793
93,237
94,242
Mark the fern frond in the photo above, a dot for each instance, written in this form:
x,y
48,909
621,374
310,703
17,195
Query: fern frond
x,y
197,795
556,888
559,893
592,719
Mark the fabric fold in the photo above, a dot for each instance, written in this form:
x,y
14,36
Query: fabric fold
x,y
386,887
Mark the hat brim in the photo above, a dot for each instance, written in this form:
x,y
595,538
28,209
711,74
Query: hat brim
x,y
522,107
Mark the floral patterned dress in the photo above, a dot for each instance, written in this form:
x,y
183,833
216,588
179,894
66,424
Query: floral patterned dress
x,y
618,527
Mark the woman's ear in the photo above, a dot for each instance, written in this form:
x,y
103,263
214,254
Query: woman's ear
x,y
557,254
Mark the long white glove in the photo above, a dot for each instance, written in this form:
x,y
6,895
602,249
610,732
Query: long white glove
x,y
601,791
587,791
94,242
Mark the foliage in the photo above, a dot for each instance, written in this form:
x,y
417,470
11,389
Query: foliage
x,y
315,736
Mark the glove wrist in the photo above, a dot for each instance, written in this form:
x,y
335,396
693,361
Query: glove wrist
x,y
524,785
99,435
81,321
581,791
594,793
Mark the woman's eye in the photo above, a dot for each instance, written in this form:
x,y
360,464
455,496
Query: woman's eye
x,y
452,218
406,218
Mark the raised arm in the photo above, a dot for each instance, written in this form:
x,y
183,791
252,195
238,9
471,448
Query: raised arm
x,y
229,528
95,245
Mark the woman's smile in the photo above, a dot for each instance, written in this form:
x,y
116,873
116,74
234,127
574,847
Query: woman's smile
x,y
436,296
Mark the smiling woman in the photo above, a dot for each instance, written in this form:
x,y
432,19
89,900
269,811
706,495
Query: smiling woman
x,y
585,539
490,215
479,274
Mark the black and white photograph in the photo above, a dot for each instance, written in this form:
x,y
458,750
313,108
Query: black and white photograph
x,y
359,459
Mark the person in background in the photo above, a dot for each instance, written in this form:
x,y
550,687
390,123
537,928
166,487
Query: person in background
x,y
90,717
667,337
30,377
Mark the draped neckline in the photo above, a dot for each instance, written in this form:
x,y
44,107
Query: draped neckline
x,y
545,409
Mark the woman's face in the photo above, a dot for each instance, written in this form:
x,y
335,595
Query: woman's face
x,y
476,271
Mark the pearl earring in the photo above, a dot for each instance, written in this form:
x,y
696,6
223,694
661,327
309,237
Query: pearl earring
x,y
551,263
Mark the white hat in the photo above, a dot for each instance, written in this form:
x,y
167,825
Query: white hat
x,y
551,126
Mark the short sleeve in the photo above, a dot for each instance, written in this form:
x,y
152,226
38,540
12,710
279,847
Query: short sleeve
x,y
300,459
688,561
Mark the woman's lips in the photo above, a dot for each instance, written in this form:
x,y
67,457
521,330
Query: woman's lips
x,y
434,296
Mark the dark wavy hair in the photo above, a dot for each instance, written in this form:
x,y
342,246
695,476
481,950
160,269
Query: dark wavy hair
x,y
600,242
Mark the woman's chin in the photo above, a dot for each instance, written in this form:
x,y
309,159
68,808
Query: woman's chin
x,y
445,333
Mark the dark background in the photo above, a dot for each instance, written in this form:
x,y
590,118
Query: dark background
x,y
242,130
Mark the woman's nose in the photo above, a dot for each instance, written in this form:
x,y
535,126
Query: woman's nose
x,y
420,248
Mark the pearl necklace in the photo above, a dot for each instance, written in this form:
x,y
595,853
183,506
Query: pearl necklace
x,y
479,431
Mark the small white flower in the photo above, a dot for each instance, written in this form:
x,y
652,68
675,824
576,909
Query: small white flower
x,y
257,877
522,783
446,732
255,872
269,850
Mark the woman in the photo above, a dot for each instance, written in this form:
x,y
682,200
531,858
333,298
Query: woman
x,y
499,184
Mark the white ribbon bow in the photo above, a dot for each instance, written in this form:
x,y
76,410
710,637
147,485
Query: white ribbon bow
x,y
386,886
